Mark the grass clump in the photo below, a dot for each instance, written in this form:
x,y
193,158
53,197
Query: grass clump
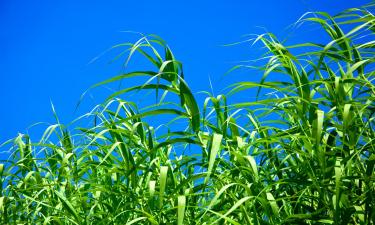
x,y
301,154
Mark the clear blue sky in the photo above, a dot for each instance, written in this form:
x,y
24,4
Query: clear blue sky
x,y
46,46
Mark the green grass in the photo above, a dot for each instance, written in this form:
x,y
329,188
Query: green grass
x,y
302,153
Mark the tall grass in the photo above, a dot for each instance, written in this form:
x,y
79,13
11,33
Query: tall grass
x,y
302,153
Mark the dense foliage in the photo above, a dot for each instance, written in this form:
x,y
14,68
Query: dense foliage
x,y
302,152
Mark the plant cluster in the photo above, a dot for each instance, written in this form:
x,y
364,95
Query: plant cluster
x,y
301,153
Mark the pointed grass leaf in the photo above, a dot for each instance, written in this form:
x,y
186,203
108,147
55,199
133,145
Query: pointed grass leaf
x,y
69,207
234,207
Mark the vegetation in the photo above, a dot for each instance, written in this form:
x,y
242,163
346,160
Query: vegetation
x,y
301,153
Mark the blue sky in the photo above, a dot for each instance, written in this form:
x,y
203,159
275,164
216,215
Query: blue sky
x,y
46,46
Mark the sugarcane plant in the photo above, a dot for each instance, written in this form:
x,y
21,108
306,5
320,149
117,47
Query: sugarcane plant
x,y
300,152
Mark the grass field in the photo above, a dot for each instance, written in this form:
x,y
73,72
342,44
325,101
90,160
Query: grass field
x,y
302,152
